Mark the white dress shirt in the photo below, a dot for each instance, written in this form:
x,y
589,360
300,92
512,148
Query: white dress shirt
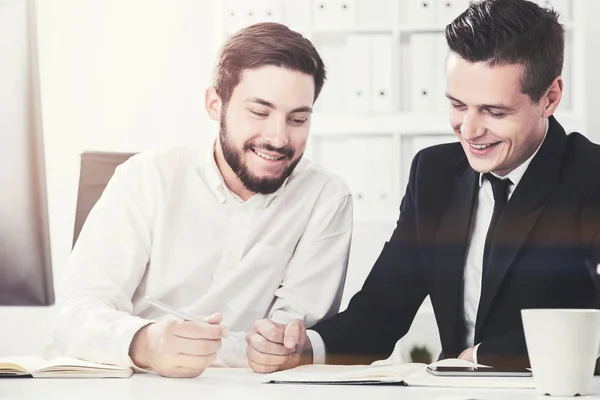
x,y
484,208
168,227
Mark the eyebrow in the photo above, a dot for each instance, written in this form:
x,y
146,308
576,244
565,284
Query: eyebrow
x,y
485,106
272,106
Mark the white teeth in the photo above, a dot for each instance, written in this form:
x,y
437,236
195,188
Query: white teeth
x,y
480,146
266,156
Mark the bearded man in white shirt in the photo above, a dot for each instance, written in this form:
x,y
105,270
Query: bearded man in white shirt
x,y
241,230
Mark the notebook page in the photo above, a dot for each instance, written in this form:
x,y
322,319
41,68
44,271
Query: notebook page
x,y
75,364
27,363
344,373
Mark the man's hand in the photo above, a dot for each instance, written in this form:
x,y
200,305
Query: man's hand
x,y
177,348
273,347
467,354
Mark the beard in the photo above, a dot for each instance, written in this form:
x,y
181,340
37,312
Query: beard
x,y
236,160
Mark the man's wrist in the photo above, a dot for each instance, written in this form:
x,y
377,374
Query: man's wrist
x,y
306,357
138,349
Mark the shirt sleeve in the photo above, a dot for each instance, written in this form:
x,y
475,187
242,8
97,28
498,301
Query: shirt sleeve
x,y
94,308
318,347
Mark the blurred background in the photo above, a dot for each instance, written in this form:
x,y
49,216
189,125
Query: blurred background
x,y
130,75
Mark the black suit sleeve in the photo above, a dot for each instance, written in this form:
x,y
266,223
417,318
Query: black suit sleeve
x,y
383,310
508,350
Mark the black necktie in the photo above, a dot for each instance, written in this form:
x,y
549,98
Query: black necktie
x,y
500,189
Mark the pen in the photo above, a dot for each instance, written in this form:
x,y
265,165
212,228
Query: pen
x,y
180,314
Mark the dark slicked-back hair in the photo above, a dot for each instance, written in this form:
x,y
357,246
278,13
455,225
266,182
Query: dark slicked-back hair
x,y
509,32
261,44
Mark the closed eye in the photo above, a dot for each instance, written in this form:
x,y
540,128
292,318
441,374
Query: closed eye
x,y
497,115
298,121
259,114
458,106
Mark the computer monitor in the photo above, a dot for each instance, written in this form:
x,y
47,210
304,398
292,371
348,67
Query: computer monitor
x,y
25,266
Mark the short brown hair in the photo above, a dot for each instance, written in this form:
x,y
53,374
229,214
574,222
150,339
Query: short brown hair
x,y
266,43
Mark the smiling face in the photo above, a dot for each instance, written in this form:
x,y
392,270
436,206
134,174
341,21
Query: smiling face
x,y
498,126
263,128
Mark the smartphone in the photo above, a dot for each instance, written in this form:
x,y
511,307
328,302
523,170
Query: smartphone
x,y
483,371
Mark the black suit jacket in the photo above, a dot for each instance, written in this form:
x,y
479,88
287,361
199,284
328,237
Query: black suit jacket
x,y
550,227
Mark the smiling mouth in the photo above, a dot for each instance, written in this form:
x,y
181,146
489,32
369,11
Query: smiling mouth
x,y
482,146
266,156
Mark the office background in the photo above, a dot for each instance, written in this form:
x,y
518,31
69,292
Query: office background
x,y
130,75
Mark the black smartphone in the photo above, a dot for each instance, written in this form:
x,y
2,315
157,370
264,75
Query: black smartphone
x,y
482,371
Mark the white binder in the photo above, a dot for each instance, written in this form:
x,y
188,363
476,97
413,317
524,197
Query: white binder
x,y
441,101
296,15
378,159
270,11
417,12
423,69
232,16
358,73
447,10
333,97
374,13
383,68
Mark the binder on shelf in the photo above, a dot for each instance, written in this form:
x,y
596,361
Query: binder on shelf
x,y
296,15
270,10
232,16
417,12
373,14
441,102
380,203
447,10
423,69
331,15
358,174
332,98
382,72
358,73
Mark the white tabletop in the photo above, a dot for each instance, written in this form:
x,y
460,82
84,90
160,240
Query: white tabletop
x,y
235,384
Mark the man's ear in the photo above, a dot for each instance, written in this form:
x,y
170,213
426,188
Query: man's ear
x,y
552,97
213,104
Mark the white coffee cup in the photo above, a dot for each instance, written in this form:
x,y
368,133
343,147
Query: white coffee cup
x,y
563,345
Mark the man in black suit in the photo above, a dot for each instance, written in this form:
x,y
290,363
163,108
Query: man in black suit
x,y
505,220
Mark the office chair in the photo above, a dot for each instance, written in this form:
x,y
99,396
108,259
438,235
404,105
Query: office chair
x,y
96,170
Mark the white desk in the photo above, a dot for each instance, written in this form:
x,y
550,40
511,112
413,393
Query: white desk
x,y
235,384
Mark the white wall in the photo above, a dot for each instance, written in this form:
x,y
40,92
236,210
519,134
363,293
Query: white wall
x,y
116,75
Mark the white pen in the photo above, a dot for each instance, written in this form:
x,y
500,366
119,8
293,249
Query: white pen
x,y
180,314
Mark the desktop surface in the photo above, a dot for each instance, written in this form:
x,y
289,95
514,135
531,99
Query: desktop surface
x,y
217,383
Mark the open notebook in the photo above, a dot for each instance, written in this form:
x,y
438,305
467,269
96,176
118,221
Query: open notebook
x,y
61,367
412,374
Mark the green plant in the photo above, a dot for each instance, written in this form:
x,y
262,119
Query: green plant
x,y
420,354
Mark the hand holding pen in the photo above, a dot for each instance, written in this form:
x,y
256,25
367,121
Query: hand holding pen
x,y
178,348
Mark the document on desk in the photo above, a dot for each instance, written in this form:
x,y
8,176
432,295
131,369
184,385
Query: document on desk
x,y
411,374
61,367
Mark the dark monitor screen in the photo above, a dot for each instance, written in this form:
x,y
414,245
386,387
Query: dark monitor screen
x,y
25,264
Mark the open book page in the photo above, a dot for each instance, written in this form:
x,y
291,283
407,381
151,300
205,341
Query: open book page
x,y
345,373
73,367
20,365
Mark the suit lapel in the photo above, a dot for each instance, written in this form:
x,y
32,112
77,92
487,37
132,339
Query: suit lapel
x,y
520,215
452,238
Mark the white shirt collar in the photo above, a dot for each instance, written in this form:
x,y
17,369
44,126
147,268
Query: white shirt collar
x,y
217,185
516,174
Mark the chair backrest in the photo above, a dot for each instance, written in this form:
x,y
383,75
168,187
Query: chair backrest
x,y
96,170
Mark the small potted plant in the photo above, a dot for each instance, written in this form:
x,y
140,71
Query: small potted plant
x,y
420,354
